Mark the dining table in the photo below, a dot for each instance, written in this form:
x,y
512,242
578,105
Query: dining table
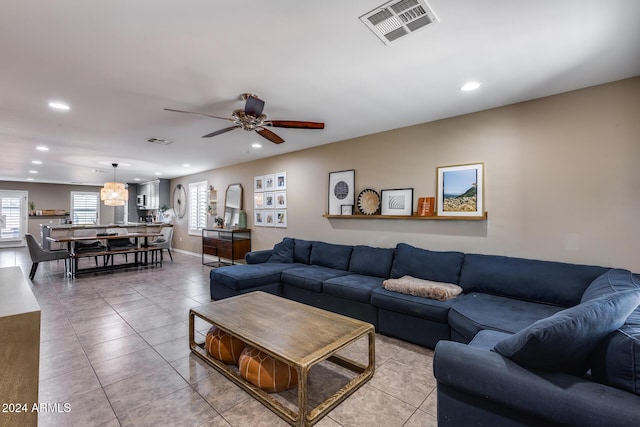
x,y
140,249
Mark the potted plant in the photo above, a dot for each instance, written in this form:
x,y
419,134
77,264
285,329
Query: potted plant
x,y
32,207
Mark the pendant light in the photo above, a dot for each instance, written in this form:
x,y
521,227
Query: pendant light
x,y
114,193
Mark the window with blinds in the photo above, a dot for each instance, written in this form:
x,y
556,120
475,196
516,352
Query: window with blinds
x,y
198,193
12,215
85,207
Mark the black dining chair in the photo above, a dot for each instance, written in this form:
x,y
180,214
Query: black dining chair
x,y
38,254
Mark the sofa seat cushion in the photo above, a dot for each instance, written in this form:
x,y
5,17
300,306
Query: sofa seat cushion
x,y
476,311
331,255
424,308
424,264
616,361
356,287
371,261
242,277
566,340
310,277
526,279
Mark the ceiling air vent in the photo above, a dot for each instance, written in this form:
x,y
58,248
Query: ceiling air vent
x,y
159,141
396,19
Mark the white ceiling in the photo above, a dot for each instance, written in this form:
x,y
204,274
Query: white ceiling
x,y
119,63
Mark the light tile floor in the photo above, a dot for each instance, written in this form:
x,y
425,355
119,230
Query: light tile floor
x,y
114,346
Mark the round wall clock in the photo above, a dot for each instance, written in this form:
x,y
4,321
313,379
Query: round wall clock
x,y
368,202
180,200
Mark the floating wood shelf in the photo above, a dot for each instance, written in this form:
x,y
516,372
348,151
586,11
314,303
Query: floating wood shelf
x,y
482,217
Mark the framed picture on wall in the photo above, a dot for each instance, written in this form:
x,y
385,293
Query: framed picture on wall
x,y
269,219
269,182
269,200
281,181
258,183
281,218
281,199
397,202
258,218
341,190
460,190
258,200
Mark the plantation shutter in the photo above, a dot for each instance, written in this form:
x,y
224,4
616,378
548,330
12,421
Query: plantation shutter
x,y
85,207
197,206
11,214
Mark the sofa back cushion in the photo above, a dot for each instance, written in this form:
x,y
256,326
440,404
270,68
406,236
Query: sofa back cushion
x,y
614,280
616,361
331,255
531,280
302,251
566,340
425,264
371,261
283,251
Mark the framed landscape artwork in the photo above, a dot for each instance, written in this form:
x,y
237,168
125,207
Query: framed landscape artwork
x,y
461,190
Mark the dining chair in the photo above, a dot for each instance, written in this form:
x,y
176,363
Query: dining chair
x,y
119,244
38,254
162,242
88,245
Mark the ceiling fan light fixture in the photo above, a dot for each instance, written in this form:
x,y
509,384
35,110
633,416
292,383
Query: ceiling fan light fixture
x,y
114,193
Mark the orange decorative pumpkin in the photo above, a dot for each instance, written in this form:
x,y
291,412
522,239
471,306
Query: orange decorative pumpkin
x,y
263,371
224,347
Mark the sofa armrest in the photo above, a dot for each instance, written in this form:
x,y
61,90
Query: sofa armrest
x,y
486,376
258,257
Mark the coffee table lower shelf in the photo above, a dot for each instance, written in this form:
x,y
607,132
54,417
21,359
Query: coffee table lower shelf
x,y
304,416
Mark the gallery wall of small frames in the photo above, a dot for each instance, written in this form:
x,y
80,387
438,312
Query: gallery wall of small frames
x,y
270,200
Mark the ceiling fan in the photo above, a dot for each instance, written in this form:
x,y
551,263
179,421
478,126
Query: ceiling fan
x,y
252,119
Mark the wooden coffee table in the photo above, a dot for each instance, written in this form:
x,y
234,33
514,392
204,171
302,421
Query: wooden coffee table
x,y
294,333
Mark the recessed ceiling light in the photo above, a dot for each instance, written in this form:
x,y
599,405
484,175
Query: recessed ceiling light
x,y
42,148
158,173
29,179
58,105
186,165
33,171
469,86
256,145
36,162
136,179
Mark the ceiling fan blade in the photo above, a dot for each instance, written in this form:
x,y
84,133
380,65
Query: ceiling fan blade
x,y
294,124
221,131
266,133
198,114
253,106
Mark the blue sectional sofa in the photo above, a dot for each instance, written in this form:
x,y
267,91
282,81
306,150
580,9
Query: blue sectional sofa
x,y
503,300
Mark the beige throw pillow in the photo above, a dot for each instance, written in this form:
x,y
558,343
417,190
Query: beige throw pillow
x,y
423,288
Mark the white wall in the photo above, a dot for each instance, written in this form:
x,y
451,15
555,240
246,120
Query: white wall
x,y
561,180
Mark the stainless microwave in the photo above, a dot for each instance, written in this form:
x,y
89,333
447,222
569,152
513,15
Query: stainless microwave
x,y
140,201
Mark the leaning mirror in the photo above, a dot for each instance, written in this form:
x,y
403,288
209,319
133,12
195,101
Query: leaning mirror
x,y
232,206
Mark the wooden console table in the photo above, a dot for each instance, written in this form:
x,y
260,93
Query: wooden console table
x,y
225,243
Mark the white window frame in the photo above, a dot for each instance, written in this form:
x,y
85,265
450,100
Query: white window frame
x,y
73,208
197,206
